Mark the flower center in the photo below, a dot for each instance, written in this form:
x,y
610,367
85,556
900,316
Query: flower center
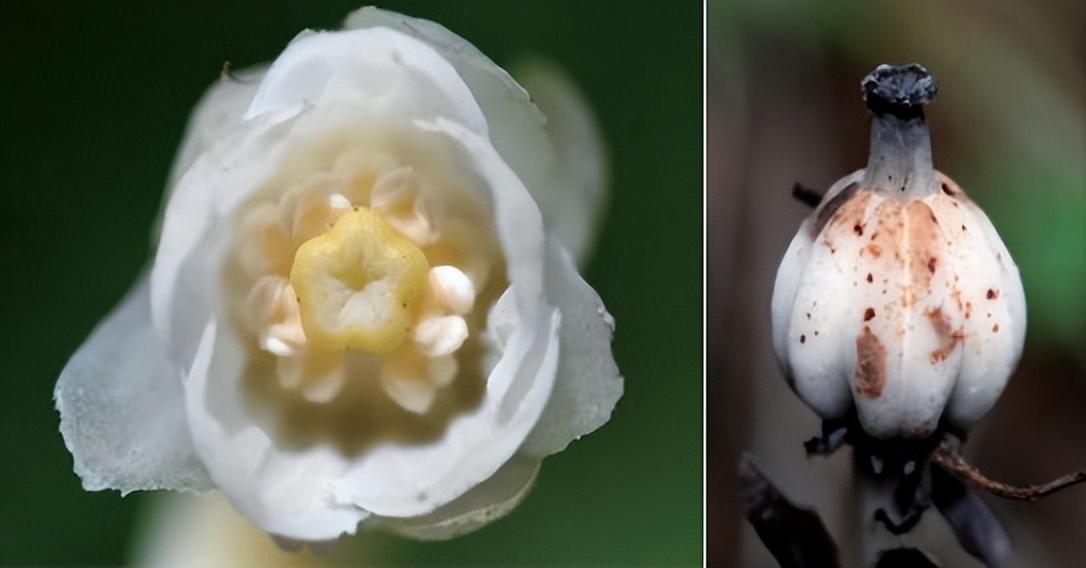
x,y
352,260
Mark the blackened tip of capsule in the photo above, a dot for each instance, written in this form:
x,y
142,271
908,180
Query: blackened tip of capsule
x,y
899,90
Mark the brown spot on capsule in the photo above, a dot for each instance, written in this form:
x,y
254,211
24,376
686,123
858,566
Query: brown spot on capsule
x,y
948,336
947,190
993,294
874,249
803,339
995,328
870,364
923,242
858,229
870,278
869,314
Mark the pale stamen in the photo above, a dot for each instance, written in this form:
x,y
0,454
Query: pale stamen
x,y
452,289
440,336
397,197
274,314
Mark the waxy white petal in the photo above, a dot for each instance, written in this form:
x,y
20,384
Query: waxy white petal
x,y
588,384
485,503
121,409
562,164
385,71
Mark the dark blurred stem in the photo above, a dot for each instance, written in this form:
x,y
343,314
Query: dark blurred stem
x,y
947,457
807,196
795,535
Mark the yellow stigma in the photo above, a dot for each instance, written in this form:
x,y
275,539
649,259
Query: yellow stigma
x,y
359,284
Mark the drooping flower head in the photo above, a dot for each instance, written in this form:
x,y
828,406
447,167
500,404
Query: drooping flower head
x,y
364,305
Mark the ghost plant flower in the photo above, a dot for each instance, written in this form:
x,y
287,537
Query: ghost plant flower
x,y
364,305
897,297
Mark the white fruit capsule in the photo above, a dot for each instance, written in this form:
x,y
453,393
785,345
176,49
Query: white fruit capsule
x,y
897,296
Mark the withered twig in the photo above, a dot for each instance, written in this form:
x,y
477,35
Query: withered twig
x,y
806,195
795,535
949,459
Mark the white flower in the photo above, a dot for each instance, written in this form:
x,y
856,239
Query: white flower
x,y
361,308
897,296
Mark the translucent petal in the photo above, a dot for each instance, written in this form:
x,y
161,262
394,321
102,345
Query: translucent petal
x,y
217,114
121,407
485,503
283,489
197,216
562,164
574,209
383,70
588,384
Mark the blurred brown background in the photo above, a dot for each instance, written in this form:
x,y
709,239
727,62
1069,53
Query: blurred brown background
x,y
1009,125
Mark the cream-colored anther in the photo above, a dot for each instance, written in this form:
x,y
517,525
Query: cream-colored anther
x,y
439,336
319,375
312,208
273,313
396,196
452,289
339,202
412,380
265,246
460,245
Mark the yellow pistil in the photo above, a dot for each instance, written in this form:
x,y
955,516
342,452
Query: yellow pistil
x,y
359,284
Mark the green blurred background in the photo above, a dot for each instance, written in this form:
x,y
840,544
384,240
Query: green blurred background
x,y
95,97
1009,125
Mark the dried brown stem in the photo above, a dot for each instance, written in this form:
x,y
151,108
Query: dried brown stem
x,y
949,459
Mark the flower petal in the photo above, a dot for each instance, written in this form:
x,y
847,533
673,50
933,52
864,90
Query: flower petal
x,y
574,209
316,492
382,70
485,503
182,276
121,411
408,480
282,489
217,114
519,130
588,384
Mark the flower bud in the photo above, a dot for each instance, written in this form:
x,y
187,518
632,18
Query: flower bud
x,y
897,297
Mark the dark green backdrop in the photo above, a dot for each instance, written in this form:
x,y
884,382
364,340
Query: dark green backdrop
x,y
95,96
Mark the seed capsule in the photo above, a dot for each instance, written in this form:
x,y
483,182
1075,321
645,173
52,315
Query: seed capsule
x,y
897,296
